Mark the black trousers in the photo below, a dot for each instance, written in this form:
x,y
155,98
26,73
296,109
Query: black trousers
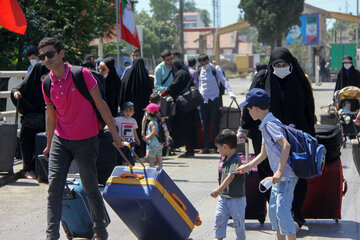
x,y
27,147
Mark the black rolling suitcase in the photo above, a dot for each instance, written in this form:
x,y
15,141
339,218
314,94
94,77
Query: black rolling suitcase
x,y
107,157
41,163
331,137
8,143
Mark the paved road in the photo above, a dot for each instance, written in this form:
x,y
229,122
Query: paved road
x,y
23,203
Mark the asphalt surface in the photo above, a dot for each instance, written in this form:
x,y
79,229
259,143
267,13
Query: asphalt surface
x,y
23,203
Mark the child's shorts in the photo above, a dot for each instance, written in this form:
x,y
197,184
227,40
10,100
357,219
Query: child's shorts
x,y
154,152
282,195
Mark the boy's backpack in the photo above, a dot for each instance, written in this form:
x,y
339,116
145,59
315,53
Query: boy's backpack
x,y
80,84
213,71
307,156
160,135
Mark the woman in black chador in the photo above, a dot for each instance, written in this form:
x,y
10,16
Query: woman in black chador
x,y
111,84
183,125
348,75
31,102
292,102
137,89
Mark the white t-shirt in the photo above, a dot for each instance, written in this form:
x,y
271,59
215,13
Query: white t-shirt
x,y
126,128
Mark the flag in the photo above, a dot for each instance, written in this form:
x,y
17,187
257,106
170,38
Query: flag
x,y
128,26
12,17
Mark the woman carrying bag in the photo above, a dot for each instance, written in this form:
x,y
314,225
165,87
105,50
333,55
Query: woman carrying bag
x,y
32,108
183,125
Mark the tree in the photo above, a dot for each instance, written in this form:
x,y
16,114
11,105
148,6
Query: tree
x,y
74,22
158,35
205,17
163,10
272,18
190,6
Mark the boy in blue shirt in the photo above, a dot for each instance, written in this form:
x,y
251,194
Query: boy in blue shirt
x,y
284,179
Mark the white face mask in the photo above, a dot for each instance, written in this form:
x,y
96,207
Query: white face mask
x,y
105,75
282,72
347,65
33,62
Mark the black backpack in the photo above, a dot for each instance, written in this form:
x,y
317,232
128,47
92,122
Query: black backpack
x,y
161,132
221,87
80,84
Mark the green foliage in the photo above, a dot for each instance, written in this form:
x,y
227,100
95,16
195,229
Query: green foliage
x,y
74,22
158,35
205,17
163,10
346,29
298,50
190,6
272,18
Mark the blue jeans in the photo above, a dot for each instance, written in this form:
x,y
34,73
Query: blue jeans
x,y
84,152
234,207
282,195
208,113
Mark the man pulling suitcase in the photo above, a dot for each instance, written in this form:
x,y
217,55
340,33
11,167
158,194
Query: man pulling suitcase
x,y
72,127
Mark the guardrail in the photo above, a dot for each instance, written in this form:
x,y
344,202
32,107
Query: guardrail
x,y
15,77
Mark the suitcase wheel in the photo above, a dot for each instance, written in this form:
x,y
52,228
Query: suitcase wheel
x,y
67,231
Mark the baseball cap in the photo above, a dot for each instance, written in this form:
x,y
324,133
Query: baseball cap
x,y
152,107
128,105
256,97
347,58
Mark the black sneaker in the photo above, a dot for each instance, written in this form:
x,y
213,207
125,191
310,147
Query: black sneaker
x,y
205,150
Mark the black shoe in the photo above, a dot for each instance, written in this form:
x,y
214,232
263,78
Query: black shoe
x,y
186,155
205,150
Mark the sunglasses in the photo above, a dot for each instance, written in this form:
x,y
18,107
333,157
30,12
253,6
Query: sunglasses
x,y
202,60
49,54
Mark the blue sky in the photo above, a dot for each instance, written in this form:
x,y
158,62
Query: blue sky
x,y
230,11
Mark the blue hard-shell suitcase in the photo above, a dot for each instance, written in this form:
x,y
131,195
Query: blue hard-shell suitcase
x,y
150,203
76,218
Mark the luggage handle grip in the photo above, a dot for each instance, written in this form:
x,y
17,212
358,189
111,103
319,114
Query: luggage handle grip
x,y
345,188
126,175
177,199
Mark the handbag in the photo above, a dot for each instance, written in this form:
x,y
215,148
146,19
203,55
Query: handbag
x,y
167,106
189,100
34,120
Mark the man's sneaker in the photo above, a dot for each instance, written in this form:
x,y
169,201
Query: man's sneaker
x,y
205,150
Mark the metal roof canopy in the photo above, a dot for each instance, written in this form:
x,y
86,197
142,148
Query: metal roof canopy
x,y
244,24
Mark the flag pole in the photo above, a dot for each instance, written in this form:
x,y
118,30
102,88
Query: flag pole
x,y
117,31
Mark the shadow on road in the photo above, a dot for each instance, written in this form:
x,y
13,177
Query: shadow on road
x,y
344,229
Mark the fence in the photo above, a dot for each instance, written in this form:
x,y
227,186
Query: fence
x,y
15,77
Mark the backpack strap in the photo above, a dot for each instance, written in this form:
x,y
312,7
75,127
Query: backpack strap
x,y
164,81
80,84
271,137
47,86
213,71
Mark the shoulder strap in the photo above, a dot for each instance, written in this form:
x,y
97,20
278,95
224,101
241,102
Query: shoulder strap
x,y
47,85
164,81
213,71
80,84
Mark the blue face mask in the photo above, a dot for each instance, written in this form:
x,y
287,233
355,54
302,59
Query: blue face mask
x,y
282,72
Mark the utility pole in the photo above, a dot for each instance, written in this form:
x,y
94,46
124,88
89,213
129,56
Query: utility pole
x,y
357,25
182,28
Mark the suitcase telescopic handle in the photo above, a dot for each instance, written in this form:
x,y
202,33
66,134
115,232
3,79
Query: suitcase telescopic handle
x,y
177,199
126,144
126,175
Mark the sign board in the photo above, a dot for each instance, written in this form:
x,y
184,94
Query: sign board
x,y
308,33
